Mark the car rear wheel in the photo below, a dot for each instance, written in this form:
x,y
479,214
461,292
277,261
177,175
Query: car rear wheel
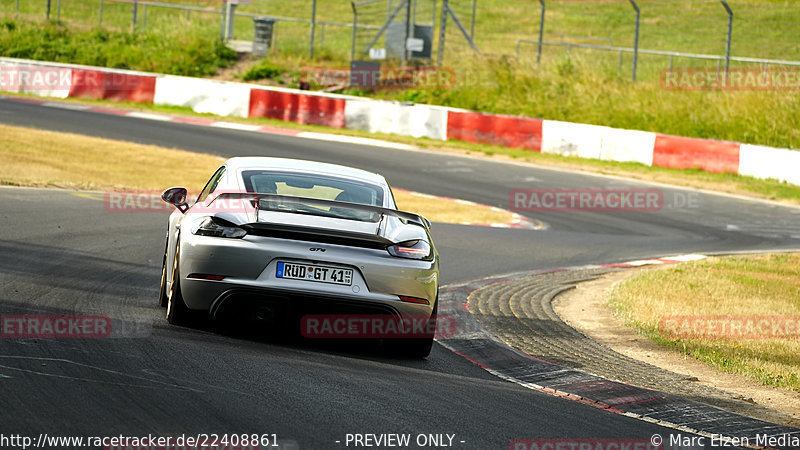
x,y
162,292
177,312
418,348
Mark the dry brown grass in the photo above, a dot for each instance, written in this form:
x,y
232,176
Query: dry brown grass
x,y
454,211
44,158
38,158
757,286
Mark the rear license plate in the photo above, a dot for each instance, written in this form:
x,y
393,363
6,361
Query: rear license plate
x,y
314,272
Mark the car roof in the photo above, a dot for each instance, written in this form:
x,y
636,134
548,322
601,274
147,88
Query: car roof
x,y
285,164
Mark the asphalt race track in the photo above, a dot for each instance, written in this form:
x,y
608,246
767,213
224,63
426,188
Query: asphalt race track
x,y
64,253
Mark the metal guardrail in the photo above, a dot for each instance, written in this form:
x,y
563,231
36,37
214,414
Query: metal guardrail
x,y
672,55
269,16
540,42
226,29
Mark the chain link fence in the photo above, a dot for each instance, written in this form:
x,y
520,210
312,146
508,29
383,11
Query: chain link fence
x,y
671,33
399,29
708,34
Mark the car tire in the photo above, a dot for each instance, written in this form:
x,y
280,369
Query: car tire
x,y
418,348
162,292
177,312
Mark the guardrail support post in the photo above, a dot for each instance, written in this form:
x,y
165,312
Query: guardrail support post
x,y
472,24
408,33
541,33
230,20
313,29
636,38
353,38
730,32
135,12
442,30
222,23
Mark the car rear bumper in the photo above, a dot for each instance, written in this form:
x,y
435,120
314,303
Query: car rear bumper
x,y
248,270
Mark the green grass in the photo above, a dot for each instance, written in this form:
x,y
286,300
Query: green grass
x,y
177,51
762,28
264,69
756,286
586,87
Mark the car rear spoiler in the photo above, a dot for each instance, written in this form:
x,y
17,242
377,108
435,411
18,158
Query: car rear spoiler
x,y
412,218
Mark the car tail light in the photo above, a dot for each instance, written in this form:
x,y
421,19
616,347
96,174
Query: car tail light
x,y
412,250
217,227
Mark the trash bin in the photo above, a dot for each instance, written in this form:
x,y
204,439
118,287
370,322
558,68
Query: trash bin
x,y
262,40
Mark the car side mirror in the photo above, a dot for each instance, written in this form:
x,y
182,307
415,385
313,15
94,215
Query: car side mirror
x,y
176,196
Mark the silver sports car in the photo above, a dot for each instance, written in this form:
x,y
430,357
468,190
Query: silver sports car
x,y
282,242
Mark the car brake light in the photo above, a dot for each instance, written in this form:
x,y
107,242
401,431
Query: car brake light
x,y
412,250
217,227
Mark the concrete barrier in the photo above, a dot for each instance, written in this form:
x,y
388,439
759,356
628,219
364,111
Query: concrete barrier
x,y
11,79
116,86
397,118
339,111
203,96
768,162
628,146
572,139
496,129
295,107
678,152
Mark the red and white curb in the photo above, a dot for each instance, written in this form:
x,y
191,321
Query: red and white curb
x,y
655,261
231,99
237,126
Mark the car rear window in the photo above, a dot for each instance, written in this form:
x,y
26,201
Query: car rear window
x,y
320,187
